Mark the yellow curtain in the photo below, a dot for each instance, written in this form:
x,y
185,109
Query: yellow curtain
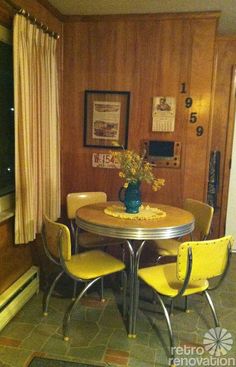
x,y
37,141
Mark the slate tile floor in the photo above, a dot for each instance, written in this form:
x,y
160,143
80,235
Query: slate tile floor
x,y
98,333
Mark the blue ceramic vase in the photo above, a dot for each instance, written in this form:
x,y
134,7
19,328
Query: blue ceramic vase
x,y
131,197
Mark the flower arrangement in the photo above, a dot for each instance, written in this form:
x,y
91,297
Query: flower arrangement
x,y
134,169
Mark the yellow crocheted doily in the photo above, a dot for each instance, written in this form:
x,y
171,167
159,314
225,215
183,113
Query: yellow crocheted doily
x,y
145,212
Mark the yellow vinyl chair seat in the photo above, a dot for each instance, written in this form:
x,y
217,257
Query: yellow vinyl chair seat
x,y
90,240
86,267
93,264
167,247
197,262
162,279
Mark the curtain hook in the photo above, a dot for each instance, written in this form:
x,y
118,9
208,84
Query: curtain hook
x,y
45,29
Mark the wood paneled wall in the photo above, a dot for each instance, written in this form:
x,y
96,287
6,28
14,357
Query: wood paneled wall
x,y
15,260
222,132
148,55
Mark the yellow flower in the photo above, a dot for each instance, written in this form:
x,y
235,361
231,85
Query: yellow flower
x,y
115,144
121,174
125,185
134,168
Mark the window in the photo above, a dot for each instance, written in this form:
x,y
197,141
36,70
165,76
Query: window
x,y
6,114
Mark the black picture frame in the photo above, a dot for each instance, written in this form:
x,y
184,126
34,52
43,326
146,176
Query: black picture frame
x,y
106,118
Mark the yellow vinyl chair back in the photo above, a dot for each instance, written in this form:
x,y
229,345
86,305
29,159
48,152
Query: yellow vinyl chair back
x,y
202,213
76,200
209,258
55,232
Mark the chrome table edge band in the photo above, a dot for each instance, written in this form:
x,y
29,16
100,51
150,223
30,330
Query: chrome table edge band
x,y
136,233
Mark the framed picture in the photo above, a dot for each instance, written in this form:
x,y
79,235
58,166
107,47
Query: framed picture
x,y
106,118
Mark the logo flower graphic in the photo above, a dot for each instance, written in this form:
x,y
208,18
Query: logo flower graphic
x,y
217,341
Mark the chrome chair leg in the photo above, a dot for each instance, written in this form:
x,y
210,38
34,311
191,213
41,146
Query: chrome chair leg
x,y
171,336
124,290
186,309
171,311
159,257
123,259
74,290
136,301
212,307
47,296
71,307
102,299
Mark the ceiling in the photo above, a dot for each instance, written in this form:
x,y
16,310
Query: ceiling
x,y
227,23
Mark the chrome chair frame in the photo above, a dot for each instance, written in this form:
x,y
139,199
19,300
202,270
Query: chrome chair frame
x,y
75,230
47,295
72,217
88,284
203,238
75,234
181,292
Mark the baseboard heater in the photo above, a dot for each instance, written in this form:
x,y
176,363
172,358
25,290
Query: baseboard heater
x,y
14,298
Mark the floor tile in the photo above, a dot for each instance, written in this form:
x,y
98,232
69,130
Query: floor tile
x,y
98,334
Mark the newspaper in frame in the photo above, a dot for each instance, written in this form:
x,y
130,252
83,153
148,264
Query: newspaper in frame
x,y
106,120
163,114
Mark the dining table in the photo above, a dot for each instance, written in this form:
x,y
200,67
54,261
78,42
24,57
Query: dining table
x,y
135,231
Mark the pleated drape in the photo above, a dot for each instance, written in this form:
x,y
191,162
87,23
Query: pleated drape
x,y
37,138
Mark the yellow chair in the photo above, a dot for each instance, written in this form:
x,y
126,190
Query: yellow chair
x,y
87,267
196,263
203,214
86,239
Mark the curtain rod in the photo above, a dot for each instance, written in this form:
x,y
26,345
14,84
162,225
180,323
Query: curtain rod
x,y
32,19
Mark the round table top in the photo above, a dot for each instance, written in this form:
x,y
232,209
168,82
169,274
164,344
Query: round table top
x,y
176,223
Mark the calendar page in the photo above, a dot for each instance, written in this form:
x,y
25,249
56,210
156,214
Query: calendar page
x,y
163,114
